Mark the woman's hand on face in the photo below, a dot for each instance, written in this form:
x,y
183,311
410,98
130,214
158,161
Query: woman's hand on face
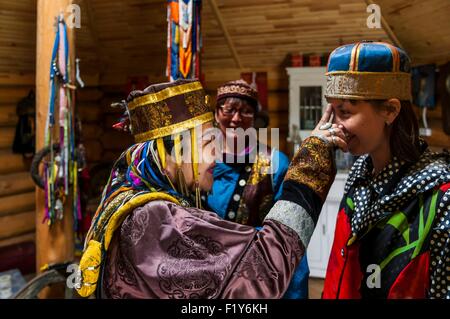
x,y
333,133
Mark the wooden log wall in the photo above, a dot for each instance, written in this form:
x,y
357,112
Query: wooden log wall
x,y
113,142
438,140
102,143
89,112
17,77
17,199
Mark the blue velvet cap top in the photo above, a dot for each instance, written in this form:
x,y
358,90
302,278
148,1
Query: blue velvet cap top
x,y
368,70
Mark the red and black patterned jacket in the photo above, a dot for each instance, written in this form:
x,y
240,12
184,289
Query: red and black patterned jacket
x,y
392,232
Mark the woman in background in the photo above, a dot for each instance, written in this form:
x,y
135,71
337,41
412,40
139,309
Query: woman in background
x,y
248,178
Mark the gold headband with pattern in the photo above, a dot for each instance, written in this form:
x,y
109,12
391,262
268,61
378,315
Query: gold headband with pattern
x,y
368,85
167,109
368,70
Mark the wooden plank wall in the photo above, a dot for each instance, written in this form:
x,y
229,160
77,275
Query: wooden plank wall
x,y
103,143
113,142
88,110
17,197
439,139
421,26
265,31
17,67
18,36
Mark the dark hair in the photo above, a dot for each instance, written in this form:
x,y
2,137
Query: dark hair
x,y
169,143
404,139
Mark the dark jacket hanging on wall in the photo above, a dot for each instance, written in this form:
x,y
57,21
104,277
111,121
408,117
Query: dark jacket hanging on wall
x,y
24,139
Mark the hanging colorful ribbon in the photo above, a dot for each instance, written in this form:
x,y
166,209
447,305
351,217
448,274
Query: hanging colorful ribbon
x,y
183,39
61,171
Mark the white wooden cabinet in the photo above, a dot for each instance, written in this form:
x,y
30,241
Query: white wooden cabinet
x,y
306,104
319,247
306,99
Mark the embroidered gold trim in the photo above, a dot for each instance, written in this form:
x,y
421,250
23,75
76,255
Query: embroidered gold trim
x,y
313,166
174,128
368,85
164,94
369,73
260,169
236,89
195,102
150,117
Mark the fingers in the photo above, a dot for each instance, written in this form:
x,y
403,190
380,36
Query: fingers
x,y
326,115
337,131
336,136
341,143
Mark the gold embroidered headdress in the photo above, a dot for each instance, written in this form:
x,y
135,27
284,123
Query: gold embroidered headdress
x,y
368,70
239,89
167,108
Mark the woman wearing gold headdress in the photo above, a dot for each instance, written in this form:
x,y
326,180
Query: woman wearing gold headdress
x,y
150,239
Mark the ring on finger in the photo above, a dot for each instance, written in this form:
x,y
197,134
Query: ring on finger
x,y
331,130
325,126
333,140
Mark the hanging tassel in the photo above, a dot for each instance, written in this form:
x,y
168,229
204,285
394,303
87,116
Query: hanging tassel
x,y
161,152
162,157
194,150
181,181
